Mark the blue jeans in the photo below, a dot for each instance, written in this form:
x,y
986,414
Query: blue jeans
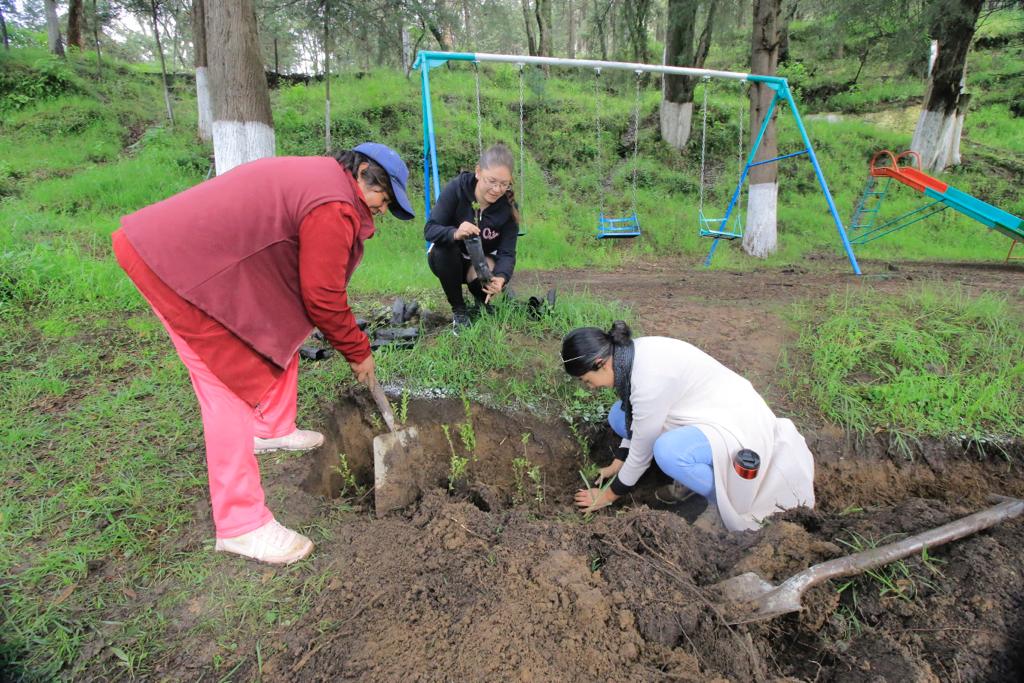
x,y
683,453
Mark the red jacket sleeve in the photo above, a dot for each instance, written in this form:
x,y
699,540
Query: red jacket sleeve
x,y
326,236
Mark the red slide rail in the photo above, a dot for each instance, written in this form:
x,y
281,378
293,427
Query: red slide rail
x,y
907,174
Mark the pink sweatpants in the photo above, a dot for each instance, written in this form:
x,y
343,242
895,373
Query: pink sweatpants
x,y
229,425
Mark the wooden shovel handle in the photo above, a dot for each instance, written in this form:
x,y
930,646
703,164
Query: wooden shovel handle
x,y
382,403
876,557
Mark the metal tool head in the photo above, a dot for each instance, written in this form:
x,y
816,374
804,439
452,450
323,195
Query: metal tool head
x,y
395,458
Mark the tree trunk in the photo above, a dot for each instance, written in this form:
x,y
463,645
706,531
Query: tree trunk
x,y
3,30
75,11
937,135
163,66
531,43
96,39
677,91
570,41
760,237
636,15
600,19
205,108
243,128
406,48
544,29
327,76
791,8
53,38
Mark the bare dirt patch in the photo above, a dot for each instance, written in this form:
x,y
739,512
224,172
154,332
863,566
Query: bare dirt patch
x,y
496,579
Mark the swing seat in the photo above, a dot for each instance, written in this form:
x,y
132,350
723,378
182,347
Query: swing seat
x,y
710,227
617,227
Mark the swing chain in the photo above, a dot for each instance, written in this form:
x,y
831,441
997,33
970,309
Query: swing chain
x,y
479,117
597,128
636,134
703,144
522,144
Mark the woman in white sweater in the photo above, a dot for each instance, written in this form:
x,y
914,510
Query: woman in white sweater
x,y
703,424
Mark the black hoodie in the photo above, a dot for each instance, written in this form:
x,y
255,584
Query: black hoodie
x,y
498,227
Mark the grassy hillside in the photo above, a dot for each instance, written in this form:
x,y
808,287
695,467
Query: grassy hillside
x,y
102,451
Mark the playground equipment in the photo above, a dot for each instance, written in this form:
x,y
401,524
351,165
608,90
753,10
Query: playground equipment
x,y
625,226
521,189
886,167
713,227
427,60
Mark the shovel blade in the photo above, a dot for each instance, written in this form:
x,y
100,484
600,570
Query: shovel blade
x,y
744,588
748,597
395,458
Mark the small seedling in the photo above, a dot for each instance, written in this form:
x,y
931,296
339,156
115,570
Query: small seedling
x,y
468,437
519,467
466,432
456,463
348,480
590,471
403,407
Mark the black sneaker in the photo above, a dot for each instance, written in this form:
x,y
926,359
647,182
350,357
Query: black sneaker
x,y
460,321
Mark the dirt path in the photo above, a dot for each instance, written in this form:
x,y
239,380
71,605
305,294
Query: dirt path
x,y
499,579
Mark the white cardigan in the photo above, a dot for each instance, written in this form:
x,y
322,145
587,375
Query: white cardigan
x,y
675,384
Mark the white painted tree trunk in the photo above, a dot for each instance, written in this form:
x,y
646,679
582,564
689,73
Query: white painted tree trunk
x,y
204,104
243,128
53,38
934,138
238,142
676,123
760,237
203,101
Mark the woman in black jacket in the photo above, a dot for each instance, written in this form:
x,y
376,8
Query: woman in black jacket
x,y
478,204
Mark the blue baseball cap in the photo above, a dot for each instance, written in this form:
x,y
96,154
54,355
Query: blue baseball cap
x,y
389,160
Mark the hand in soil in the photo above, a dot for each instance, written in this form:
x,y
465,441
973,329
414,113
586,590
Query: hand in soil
x,y
606,473
364,369
594,499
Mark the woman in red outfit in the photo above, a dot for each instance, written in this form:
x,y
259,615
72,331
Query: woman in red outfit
x,y
240,269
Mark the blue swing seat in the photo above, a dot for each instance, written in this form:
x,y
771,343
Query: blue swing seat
x,y
617,227
711,227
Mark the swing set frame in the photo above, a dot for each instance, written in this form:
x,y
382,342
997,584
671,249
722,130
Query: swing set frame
x,y
427,60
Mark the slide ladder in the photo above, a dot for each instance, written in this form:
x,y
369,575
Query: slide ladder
x,y
887,165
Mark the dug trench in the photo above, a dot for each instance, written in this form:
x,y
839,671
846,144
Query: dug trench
x,y
496,577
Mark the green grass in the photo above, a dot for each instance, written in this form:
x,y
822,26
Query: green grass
x,y
934,363
102,451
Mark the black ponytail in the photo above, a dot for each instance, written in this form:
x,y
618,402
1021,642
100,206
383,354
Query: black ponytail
x,y
584,347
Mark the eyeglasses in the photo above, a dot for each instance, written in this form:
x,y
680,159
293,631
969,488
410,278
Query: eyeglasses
x,y
497,184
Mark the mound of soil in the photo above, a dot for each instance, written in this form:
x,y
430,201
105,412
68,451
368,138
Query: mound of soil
x,y
478,582
494,576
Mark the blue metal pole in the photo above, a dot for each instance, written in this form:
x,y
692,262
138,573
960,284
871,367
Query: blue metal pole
x,y
425,102
743,176
821,181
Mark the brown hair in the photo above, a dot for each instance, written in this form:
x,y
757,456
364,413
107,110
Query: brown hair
x,y
500,155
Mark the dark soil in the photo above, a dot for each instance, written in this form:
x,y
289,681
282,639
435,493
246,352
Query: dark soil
x,y
494,578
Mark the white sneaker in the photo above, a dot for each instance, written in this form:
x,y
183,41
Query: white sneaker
x,y
272,543
299,440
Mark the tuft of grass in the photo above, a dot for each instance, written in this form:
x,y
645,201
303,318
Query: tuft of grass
x,y
931,363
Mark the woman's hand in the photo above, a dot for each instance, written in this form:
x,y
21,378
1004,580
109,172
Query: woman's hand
x,y
594,499
606,473
495,286
465,230
364,369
